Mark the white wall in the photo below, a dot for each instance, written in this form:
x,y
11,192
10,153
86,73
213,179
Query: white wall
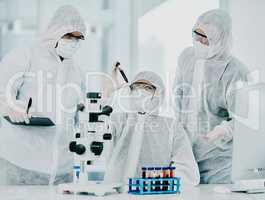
x,y
18,24
146,5
122,36
249,32
168,27
163,33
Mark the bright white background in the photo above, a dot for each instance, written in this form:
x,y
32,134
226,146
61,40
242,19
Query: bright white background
x,y
141,34
164,32
249,33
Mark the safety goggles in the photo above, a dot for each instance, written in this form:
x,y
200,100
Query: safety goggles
x,y
200,37
143,85
70,36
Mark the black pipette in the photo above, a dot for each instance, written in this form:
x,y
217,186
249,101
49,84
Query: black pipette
x,y
122,72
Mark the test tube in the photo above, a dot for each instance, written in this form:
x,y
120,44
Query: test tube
x,y
151,176
144,176
157,176
144,169
153,181
164,169
172,169
165,176
161,178
172,175
150,172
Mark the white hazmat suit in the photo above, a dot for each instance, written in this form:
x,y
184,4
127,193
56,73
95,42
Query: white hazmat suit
x,y
218,73
37,155
148,139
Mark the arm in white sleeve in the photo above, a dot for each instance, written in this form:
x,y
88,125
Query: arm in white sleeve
x,y
177,92
118,122
180,85
12,69
227,127
83,87
183,158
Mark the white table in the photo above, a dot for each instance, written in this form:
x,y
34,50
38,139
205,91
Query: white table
x,y
202,192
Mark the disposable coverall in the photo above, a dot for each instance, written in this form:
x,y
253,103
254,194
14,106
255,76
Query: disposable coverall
x,y
37,155
223,73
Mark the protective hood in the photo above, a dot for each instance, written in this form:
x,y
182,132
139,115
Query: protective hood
x,y
66,19
151,107
154,79
217,26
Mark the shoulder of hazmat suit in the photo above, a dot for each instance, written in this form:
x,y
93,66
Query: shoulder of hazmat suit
x,y
223,74
39,155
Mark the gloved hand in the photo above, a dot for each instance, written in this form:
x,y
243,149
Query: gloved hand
x,y
117,77
17,113
115,83
217,133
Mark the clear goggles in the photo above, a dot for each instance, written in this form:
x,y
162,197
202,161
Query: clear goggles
x,y
70,36
143,85
200,37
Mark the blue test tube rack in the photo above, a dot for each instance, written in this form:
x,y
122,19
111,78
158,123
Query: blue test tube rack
x,y
148,186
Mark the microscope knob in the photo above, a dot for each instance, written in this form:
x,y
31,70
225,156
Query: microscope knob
x,y
80,149
107,136
106,110
80,107
96,148
77,135
72,146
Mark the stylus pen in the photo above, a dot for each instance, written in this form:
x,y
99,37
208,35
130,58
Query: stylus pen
x,y
122,72
29,105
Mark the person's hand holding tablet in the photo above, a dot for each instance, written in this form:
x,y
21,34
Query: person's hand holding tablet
x,y
19,113
22,116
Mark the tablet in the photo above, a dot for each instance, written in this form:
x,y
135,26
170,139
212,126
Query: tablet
x,y
33,121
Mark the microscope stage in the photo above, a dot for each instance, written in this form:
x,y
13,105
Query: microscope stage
x,y
98,189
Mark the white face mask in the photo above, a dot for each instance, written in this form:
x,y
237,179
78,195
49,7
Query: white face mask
x,y
201,50
67,48
143,101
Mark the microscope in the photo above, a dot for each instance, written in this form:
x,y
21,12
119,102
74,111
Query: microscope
x,y
91,146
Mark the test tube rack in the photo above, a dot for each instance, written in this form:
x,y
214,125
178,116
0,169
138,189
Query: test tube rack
x,y
149,186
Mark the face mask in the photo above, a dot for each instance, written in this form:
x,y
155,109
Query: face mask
x,y
201,50
67,48
143,101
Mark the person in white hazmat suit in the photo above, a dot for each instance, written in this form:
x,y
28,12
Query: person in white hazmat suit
x,y
143,138
46,73
207,76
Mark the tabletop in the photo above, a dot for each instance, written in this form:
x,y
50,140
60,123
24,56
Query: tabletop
x,y
201,192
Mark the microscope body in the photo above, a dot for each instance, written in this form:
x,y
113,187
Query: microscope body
x,y
92,142
92,146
